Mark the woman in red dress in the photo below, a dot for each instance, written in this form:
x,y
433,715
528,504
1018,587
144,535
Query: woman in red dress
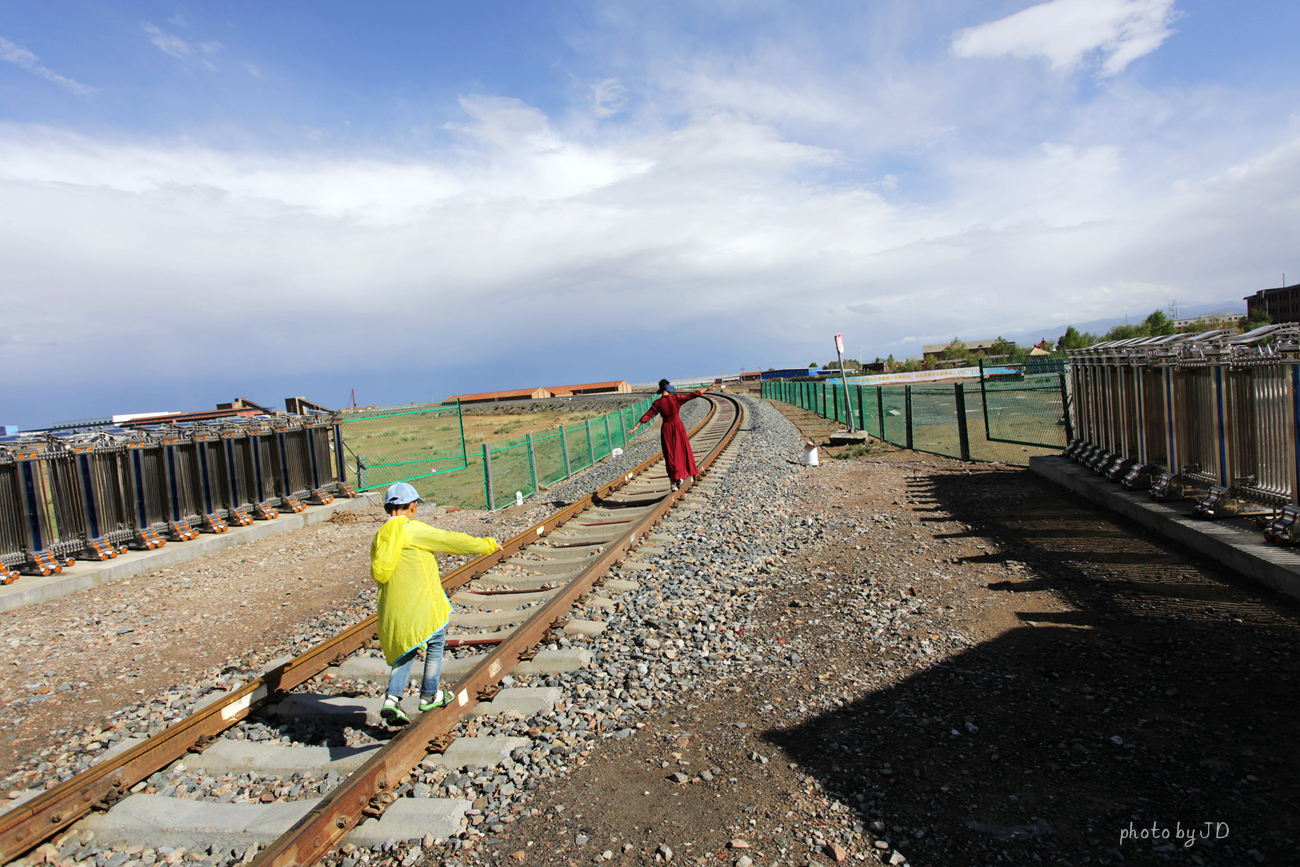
x,y
672,433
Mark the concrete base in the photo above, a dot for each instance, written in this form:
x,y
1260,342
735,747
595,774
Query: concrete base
x,y
525,701
339,710
501,601
485,619
485,752
845,438
411,819
268,760
585,628
515,582
372,670
85,574
153,821
1236,542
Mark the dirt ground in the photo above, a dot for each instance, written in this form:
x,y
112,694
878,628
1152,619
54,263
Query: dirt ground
x,y
990,672
66,664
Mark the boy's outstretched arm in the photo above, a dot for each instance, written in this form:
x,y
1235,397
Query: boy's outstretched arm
x,y
448,542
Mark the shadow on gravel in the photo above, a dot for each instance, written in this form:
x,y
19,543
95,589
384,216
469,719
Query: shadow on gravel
x,y
1146,708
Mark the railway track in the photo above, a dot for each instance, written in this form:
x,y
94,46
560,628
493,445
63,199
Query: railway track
x,y
507,604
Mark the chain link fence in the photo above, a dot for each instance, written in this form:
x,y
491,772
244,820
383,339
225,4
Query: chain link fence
x,y
426,447
404,444
989,420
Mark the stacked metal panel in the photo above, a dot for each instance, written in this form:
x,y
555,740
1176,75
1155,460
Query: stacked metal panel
x,y
93,495
1209,416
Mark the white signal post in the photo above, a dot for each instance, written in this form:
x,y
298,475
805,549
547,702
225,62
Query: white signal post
x,y
839,352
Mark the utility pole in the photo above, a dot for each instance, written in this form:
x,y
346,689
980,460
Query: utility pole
x,y
839,352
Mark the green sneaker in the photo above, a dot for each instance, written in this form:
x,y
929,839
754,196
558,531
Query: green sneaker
x,y
441,698
392,712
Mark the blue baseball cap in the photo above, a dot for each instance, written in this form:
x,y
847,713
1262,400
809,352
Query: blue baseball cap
x,y
401,494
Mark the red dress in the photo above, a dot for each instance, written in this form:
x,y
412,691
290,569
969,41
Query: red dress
x,y
672,434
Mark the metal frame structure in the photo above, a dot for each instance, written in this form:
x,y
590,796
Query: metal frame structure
x,y
93,495
1209,416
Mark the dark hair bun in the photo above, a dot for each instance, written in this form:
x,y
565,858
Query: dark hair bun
x,y
663,385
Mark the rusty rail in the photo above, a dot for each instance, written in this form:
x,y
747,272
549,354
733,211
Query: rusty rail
x,y
27,826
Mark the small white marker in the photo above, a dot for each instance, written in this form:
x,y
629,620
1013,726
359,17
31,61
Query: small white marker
x,y
463,698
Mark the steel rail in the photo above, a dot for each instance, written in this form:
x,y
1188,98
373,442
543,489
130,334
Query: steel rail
x,y
27,826
368,790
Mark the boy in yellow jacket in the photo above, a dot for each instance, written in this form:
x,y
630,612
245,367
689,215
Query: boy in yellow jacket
x,y
413,608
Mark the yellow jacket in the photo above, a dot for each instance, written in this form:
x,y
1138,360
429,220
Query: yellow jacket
x,y
412,604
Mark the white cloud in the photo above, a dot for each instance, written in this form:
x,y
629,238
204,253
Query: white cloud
x,y
733,188
178,20
1067,33
167,43
608,97
20,56
174,46
542,231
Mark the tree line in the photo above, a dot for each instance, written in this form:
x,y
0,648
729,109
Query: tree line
x,y
1156,325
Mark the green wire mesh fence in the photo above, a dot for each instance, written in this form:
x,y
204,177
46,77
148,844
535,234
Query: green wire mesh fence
x,y
426,446
994,419
404,444
521,466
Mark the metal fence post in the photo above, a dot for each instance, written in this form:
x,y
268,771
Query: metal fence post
x,y
880,410
1065,410
609,441
464,451
591,448
907,408
564,447
363,474
963,435
532,461
490,497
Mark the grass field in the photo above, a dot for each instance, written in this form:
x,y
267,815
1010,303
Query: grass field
x,y
423,446
1024,420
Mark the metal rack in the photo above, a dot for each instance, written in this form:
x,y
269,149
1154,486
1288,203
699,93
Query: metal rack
x,y
94,495
1210,416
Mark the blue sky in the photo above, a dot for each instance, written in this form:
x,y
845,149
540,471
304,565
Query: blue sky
x,y
203,201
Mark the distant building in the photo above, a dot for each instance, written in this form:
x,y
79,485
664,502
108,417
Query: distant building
x,y
177,417
1281,304
245,403
494,396
789,373
1222,316
617,386
302,406
933,351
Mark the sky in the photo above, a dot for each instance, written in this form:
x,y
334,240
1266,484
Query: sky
x,y
205,201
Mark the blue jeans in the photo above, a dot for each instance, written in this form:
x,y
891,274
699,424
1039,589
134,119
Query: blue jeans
x,y
401,676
